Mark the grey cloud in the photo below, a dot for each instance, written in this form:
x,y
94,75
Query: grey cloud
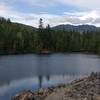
x,y
30,18
79,21
72,20
96,21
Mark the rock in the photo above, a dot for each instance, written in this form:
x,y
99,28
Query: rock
x,y
25,95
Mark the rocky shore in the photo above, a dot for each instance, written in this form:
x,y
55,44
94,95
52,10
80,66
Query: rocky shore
x,y
87,88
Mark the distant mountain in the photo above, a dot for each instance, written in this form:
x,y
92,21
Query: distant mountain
x,y
79,28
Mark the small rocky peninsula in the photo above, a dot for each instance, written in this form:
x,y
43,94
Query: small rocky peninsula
x,y
87,88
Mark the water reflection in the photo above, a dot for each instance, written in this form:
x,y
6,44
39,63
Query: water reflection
x,y
25,66
14,87
43,69
40,79
32,72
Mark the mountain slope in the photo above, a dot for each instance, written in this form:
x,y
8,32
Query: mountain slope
x,y
80,28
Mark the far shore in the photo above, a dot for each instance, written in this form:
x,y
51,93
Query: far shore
x,y
36,53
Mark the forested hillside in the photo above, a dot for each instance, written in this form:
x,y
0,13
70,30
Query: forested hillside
x,y
19,38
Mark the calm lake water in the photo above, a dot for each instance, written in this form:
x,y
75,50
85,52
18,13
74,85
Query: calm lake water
x,y
30,72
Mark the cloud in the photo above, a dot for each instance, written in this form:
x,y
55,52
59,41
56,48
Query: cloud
x,y
85,4
76,18
37,3
7,11
96,21
89,4
40,3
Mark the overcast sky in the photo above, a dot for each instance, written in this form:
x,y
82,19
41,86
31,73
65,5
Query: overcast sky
x,y
53,12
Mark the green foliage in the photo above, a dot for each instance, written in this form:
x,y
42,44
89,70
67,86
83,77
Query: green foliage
x,y
17,38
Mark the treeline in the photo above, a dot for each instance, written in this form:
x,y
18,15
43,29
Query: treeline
x,y
17,38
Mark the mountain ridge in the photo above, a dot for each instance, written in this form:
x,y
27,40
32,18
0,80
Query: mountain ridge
x,y
80,28
69,27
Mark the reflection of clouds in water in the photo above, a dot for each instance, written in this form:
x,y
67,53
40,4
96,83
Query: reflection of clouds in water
x,y
14,87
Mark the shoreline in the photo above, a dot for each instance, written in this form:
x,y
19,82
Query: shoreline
x,y
35,53
87,88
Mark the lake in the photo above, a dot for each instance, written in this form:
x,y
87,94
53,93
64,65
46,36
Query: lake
x,y
31,72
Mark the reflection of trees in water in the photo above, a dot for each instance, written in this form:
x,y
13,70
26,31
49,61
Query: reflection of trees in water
x,y
48,77
43,68
40,78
